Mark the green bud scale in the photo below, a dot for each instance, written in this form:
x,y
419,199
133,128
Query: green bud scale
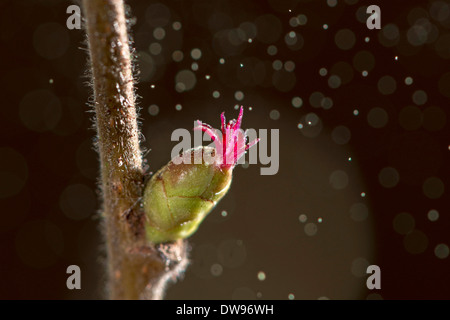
x,y
181,194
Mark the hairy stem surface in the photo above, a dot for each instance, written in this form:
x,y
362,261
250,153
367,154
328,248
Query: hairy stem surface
x,y
136,268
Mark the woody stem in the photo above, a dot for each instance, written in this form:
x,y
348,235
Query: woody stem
x,y
136,268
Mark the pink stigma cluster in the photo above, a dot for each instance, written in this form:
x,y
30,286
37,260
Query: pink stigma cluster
x,y
233,144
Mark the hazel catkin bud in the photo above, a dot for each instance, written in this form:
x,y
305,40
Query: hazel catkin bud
x,y
181,194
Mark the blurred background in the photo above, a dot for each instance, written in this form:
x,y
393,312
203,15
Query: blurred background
x,y
364,173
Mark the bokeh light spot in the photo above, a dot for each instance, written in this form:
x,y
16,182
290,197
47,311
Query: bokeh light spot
x,y
415,242
387,85
403,223
71,205
359,212
345,39
341,135
377,117
388,177
40,110
338,180
310,229
433,188
51,40
441,251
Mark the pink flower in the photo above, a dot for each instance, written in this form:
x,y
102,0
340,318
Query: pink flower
x,y
233,144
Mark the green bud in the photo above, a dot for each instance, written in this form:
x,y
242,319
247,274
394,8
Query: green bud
x,y
181,194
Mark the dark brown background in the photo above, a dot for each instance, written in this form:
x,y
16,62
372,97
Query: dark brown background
x,y
49,169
